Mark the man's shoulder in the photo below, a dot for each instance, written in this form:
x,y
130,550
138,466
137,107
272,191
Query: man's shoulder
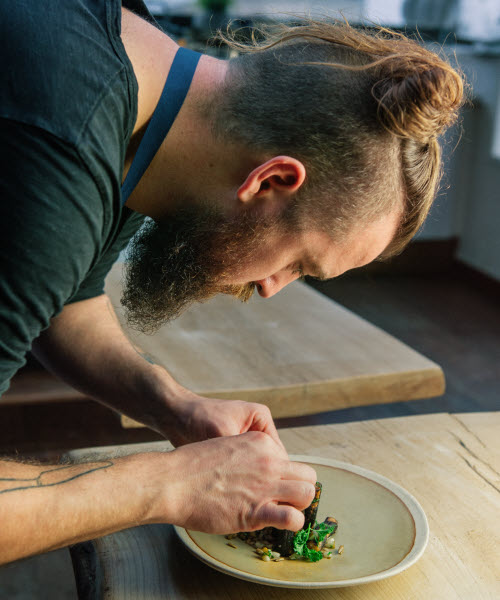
x,y
62,57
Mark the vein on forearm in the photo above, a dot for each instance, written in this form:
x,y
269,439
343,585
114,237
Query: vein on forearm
x,y
53,476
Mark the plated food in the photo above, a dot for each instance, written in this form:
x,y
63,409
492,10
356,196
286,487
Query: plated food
x,y
312,543
381,525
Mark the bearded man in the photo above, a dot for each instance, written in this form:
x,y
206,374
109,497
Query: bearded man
x,y
312,153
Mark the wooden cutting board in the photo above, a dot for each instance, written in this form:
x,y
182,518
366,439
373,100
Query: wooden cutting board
x,y
298,352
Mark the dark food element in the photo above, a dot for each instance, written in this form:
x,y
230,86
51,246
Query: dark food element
x,y
283,538
311,543
282,541
330,525
312,510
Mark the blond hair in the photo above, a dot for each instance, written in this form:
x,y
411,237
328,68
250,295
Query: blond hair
x,y
361,108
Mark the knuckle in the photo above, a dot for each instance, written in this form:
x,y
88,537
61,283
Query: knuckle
x,y
266,465
258,517
257,436
308,474
314,476
309,493
304,494
265,410
292,519
264,442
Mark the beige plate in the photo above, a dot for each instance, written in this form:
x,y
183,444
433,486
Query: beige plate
x,y
382,527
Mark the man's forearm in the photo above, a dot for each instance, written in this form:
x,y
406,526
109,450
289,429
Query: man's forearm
x,y
43,507
223,485
87,348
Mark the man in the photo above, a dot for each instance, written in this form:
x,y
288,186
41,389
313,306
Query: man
x,y
273,168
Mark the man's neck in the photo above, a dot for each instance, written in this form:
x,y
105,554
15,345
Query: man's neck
x,y
151,53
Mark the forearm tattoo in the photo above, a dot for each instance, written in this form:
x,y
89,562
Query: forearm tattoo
x,y
52,476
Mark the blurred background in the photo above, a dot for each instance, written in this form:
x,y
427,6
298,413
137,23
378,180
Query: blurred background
x,y
441,296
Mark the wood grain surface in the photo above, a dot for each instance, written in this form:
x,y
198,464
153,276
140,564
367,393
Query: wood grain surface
x,y
298,352
450,463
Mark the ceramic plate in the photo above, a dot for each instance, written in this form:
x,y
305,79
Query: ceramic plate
x,y
382,527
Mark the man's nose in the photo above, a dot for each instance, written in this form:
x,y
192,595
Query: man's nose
x,y
272,285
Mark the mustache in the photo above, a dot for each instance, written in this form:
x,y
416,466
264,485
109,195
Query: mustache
x,y
240,292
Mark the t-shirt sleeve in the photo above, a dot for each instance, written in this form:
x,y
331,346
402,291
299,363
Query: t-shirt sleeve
x,y
51,216
93,284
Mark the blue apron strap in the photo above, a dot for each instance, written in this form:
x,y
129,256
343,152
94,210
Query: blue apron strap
x,y
173,95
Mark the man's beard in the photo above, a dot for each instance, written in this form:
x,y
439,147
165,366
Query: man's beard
x,y
187,258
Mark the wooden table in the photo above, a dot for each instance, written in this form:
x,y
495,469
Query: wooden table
x,y
297,352
450,463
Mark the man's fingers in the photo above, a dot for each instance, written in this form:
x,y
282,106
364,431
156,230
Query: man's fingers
x,y
299,472
281,516
281,449
263,421
271,431
299,494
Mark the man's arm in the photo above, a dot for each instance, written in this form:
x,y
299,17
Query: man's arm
x,y
222,485
87,348
46,507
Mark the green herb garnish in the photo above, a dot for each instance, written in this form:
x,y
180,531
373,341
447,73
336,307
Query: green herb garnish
x,y
321,531
300,546
301,538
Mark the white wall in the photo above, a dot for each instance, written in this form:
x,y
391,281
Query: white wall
x,y
480,227
470,207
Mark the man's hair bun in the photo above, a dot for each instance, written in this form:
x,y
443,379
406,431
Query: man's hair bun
x,y
418,96
363,108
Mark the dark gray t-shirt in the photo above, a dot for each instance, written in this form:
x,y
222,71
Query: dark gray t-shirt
x,y
68,105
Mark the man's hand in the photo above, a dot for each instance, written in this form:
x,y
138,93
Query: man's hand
x,y
222,485
231,484
193,418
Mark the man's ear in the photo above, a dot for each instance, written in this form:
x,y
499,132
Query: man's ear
x,y
279,175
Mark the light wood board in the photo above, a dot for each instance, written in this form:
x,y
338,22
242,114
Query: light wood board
x,y
297,352
450,463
